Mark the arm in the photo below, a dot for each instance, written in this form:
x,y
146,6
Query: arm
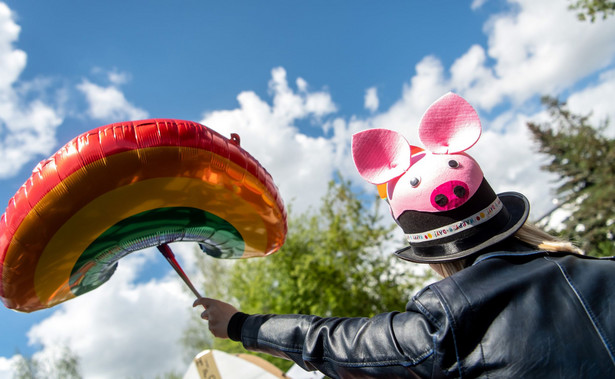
x,y
395,344
391,343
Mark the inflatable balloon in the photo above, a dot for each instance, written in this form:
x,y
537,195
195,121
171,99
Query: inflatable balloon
x,y
125,187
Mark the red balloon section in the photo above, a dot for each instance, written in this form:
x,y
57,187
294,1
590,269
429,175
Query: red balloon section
x,y
125,187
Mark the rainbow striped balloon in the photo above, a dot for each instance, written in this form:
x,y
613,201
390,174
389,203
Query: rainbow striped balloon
x,y
125,187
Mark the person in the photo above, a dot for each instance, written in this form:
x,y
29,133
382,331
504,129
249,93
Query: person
x,y
514,301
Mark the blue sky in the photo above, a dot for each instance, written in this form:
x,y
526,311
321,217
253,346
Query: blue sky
x,y
226,49
295,80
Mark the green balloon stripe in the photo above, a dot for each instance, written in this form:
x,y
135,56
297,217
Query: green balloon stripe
x,y
216,236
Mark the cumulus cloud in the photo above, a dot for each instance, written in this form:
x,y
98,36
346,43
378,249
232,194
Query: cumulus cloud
x,y
597,99
109,103
118,78
300,164
427,85
537,47
6,367
371,99
477,4
27,128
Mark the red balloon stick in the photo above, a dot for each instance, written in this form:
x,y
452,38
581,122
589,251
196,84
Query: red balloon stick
x,y
168,254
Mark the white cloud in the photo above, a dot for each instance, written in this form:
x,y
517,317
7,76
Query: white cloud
x,y
371,99
301,165
124,329
477,3
507,155
538,47
427,85
109,103
27,129
597,100
6,367
118,78
13,61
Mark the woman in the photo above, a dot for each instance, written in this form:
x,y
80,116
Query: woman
x,y
514,302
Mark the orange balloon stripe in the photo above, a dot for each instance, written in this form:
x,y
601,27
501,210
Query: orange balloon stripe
x,y
115,138
61,173
74,193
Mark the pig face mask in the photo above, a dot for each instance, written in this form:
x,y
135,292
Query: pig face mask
x,y
438,195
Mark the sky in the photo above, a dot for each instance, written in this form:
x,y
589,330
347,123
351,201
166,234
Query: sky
x,y
295,80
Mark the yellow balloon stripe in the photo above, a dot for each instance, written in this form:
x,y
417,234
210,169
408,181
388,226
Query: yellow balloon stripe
x,y
226,188
62,252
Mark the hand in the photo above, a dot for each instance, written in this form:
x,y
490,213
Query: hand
x,y
217,313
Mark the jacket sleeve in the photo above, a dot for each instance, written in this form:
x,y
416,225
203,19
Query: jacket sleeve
x,y
393,344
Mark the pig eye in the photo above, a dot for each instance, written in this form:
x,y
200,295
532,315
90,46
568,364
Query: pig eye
x,y
414,182
453,163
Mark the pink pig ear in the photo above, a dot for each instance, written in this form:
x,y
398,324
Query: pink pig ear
x,y
380,155
450,125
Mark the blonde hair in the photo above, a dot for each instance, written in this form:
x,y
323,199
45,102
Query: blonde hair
x,y
529,234
447,269
534,236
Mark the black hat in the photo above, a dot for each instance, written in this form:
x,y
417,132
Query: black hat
x,y
485,219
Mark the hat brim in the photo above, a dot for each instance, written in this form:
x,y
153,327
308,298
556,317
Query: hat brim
x,y
518,208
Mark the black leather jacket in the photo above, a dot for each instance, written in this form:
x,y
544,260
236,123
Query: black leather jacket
x,y
510,315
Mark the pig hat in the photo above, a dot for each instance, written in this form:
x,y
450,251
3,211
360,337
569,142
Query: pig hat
x,y
438,195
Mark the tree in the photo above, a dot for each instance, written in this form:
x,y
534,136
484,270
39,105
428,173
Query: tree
x,y
24,368
585,160
335,262
63,364
589,9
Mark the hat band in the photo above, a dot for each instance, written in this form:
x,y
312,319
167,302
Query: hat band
x,y
448,230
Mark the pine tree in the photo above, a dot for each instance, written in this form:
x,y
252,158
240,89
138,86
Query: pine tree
x,y
63,363
585,160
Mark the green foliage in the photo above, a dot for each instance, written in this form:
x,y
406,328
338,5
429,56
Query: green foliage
x,y
329,261
63,366
24,368
590,9
585,160
333,263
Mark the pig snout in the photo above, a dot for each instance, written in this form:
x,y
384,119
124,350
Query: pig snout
x,y
449,195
